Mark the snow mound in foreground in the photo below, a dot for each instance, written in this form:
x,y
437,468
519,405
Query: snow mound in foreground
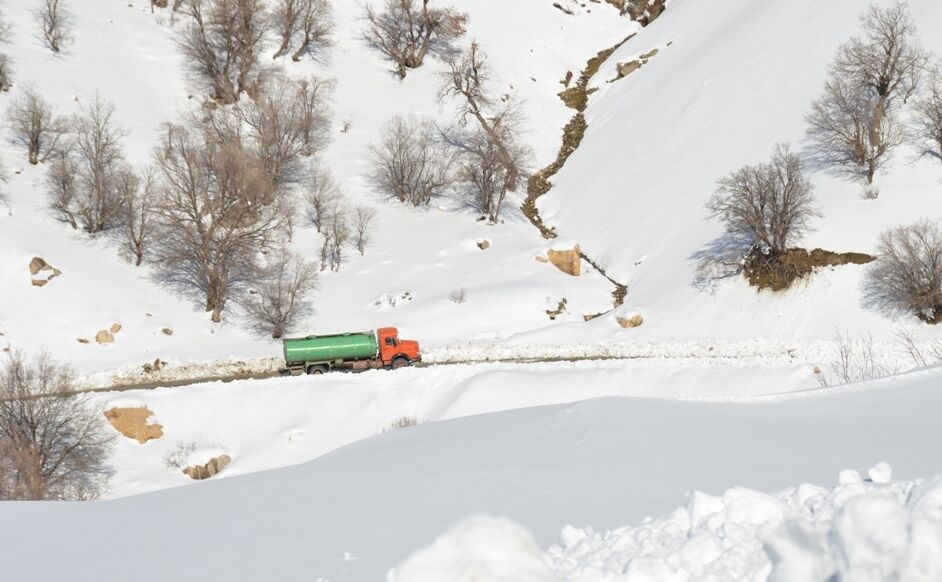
x,y
865,529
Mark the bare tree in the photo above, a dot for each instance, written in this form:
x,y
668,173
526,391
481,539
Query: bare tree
x,y
217,212
494,157
34,125
336,236
772,203
907,276
929,114
6,73
411,163
847,134
309,23
53,444
94,157
280,297
408,30
138,193
323,196
55,23
363,219
223,42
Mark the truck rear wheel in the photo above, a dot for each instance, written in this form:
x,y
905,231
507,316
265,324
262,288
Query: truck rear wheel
x,y
400,362
317,369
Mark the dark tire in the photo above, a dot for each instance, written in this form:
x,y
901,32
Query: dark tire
x,y
317,369
400,362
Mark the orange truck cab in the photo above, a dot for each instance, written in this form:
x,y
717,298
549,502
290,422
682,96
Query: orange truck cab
x,y
394,352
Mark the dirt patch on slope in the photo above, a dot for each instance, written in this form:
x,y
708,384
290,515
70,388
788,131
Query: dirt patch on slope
x,y
132,423
779,271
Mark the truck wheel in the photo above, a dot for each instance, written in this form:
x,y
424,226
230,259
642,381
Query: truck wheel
x,y
317,369
400,362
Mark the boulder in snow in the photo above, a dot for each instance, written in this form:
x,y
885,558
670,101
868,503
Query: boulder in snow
x,y
567,261
104,337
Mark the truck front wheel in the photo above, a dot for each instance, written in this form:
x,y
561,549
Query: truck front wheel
x,y
400,362
317,369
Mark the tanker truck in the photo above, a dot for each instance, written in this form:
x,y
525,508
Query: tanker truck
x,y
317,354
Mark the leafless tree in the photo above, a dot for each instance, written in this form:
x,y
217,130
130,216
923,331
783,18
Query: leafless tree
x,y
494,156
217,212
921,355
223,42
411,163
309,23
847,132
772,203
323,196
929,114
286,121
53,444
55,23
907,276
138,193
336,234
363,219
6,73
95,157
408,30
34,125
280,297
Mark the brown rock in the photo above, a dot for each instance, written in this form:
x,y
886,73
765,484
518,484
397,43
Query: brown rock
x,y
569,262
625,69
104,337
37,264
629,322
115,327
541,259
39,282
484,245
42,272
132,423
649,54
166,331
212,467
82,340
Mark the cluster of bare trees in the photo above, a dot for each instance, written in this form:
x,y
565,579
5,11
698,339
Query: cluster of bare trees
x,y
406,31
330,213
224,39
35,126
279,295
53,443
855,124
6,67
481,154
55,24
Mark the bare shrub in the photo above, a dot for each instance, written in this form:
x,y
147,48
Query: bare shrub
x,y
6,73
179,457
929,115
53,444
217,211
907,276
305,23
402,422
363,219
34,125
772,203
410,163
921,355
138,193
408,30
458,296
95,155
493,158
280,296
223,42
323,196
55,24
856,360
870,192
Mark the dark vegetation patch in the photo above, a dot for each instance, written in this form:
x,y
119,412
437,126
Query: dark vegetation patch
x,y
779,271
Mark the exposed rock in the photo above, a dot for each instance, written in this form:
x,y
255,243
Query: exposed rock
x,y
484,244
569,262
630,322
541,259
155,367
166,331
115,327
648,54
104,337
82,340
625,69
560,309
212,467
42,272
132,423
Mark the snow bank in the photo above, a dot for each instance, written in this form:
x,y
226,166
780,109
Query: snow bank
x,y
479,549
864,530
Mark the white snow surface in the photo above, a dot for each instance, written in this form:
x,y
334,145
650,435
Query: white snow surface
x,y
356,512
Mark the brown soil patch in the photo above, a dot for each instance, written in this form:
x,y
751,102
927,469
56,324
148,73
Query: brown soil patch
x,y
212,467
778,271
132,423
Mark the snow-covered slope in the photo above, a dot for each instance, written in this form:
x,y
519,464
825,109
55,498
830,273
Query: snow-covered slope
x,y
358,511
730,79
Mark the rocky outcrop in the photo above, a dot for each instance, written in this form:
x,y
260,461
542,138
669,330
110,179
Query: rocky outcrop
x,y
212,467
42,272
630,321
567,261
